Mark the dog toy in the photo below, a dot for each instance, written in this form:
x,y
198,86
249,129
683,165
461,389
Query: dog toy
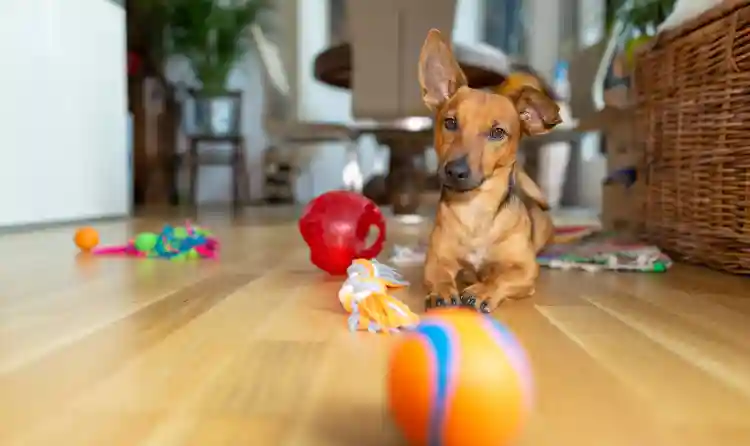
x,y
86,238
174,243
366,296
335,225
460,378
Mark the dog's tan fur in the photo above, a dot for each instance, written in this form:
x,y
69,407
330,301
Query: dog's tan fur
x,y
491,232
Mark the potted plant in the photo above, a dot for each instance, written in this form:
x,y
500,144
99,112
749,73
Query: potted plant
x,y
213,36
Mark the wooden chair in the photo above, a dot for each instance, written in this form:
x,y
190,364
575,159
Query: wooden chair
x,y
210,150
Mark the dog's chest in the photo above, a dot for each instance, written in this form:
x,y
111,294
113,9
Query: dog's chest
x,y
476,256
479,235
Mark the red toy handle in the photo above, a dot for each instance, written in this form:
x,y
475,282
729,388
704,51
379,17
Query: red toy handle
x,y
372,217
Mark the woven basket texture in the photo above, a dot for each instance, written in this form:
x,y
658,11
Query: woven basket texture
x,y
692,103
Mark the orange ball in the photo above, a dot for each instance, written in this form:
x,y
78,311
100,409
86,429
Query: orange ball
x,y
86,238
460,378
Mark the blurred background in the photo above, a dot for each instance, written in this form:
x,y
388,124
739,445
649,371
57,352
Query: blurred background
x,y
113,106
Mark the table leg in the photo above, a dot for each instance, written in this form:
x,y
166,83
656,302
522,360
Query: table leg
x,y
406,176
240,179
193,172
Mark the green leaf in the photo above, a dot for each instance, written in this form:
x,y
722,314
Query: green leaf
x,y
211,34
643,14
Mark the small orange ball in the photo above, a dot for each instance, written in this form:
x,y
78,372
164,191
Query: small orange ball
x,y
86,238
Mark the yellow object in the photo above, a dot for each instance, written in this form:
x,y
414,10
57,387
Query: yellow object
x,y
517,80
365,295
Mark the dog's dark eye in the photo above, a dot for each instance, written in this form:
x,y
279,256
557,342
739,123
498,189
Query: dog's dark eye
x,y
496,134
450,124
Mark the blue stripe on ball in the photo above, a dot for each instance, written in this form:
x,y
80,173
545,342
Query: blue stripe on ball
x,y
440,340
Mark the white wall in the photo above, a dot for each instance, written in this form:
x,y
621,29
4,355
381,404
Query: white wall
x,y
320,102
467,26
63,113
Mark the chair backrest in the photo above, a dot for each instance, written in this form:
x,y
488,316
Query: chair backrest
x,y
373,29
417,18
278,107
386,37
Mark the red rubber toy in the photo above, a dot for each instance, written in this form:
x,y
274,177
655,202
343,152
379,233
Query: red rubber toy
x,y
335,226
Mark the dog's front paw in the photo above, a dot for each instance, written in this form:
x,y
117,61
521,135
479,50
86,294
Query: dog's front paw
x,y
436,300
478,297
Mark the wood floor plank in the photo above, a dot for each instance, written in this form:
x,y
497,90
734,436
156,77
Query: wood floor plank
x,y
78,367
731,326
674,387
604,404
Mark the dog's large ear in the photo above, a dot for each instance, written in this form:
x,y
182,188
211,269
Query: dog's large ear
x,y
538,112
440,76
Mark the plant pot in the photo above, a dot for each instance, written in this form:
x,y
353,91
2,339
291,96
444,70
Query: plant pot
x,y
215,114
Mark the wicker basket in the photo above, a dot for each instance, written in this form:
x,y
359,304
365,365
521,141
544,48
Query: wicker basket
x,y
692,99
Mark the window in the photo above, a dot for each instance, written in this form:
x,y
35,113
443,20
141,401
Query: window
x,y
503,26
337,21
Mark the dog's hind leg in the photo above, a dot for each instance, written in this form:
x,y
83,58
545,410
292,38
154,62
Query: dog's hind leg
x,y
542,228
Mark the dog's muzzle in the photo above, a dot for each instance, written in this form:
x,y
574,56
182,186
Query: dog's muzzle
x,y
456,175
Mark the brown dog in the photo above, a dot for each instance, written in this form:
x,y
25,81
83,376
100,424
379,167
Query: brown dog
x,y
491,220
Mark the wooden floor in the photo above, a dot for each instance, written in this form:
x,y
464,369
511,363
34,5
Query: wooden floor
x,y
254,349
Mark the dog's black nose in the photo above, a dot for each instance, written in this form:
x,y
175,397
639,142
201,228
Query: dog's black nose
x,y
458,170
